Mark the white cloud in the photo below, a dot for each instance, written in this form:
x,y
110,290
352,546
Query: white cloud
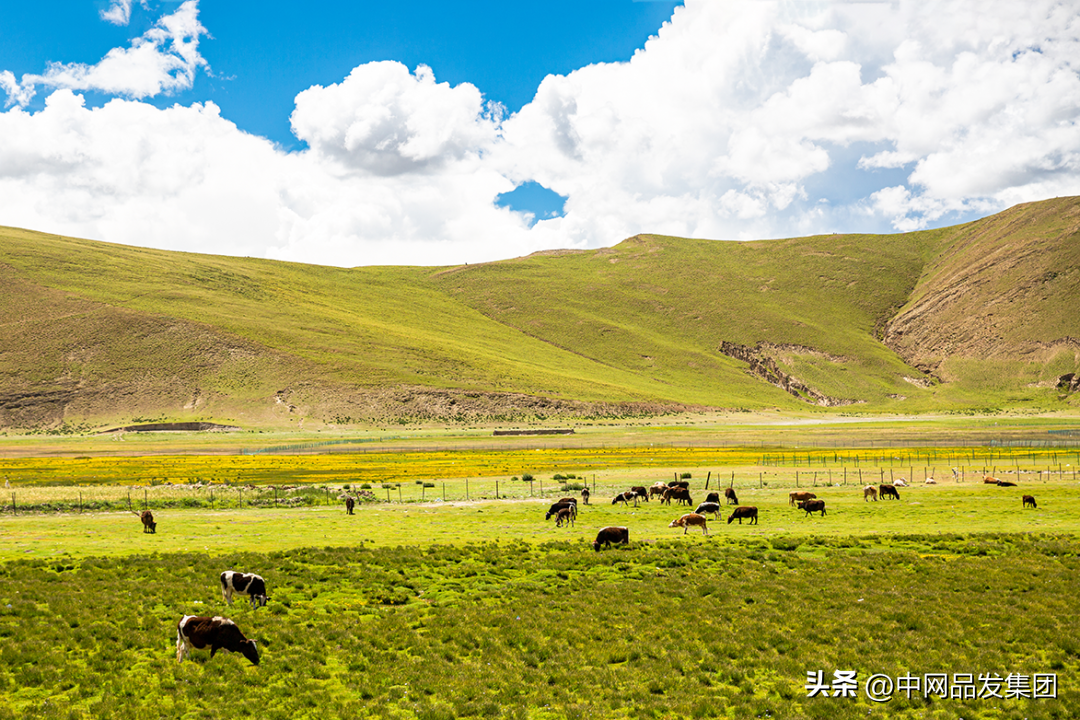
x,y
383,120
739,119
163,60
119,12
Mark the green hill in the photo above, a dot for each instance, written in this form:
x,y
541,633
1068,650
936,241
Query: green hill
x,y
968,317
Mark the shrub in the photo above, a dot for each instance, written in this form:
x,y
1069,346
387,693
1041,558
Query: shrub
x,y
527,477
684,476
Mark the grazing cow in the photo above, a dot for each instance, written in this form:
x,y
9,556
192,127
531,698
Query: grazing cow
x,y
988,480
709,507
1005,483
1029,500
219,633
566,515
732,498
869,493
556,507
797,497
813,506
680,483
349,505
625,498
748,512
658,489
585,495
571,500
888,491
688,520
243,584
641,492
713,497
148,524
611,535
677,493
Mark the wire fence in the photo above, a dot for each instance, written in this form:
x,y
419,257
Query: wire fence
x,y
775,471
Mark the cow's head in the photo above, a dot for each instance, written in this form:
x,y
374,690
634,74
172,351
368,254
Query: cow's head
x,y
250,651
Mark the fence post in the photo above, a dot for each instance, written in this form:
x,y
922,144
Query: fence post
x,y
496,489
145,503
467,488
129,501
80,501
14,510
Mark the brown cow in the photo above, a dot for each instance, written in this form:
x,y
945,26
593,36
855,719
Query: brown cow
x,y
680,483
217,632
713,497
349,505
813,506
148,524
869,493
749,512
732,499
798,496
690,519
658,489
641,492
609,535
566,515
556,507
1030,500
1005,483
585,495
888,491
677,493
988,480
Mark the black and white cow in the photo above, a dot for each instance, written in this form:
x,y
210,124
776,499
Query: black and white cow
x,y
218,633
243,584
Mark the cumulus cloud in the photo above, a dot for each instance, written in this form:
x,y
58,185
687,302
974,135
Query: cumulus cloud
x,y
739,119
386,121
163,60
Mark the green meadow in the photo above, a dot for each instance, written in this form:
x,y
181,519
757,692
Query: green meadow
x,y
484,609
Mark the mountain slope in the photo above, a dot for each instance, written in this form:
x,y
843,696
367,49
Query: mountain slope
x,y
99,334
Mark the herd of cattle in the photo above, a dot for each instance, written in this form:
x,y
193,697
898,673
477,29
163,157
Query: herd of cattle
x,y
565,509
219,633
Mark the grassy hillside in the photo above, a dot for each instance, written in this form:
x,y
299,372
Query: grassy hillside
x,y
993,311
93,333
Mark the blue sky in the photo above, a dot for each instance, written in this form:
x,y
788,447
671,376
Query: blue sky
x,y
359,133
261,58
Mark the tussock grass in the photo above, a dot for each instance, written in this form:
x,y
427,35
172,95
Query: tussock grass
x,y
511,629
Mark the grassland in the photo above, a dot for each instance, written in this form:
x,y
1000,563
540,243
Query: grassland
x,y
481,608
484,610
